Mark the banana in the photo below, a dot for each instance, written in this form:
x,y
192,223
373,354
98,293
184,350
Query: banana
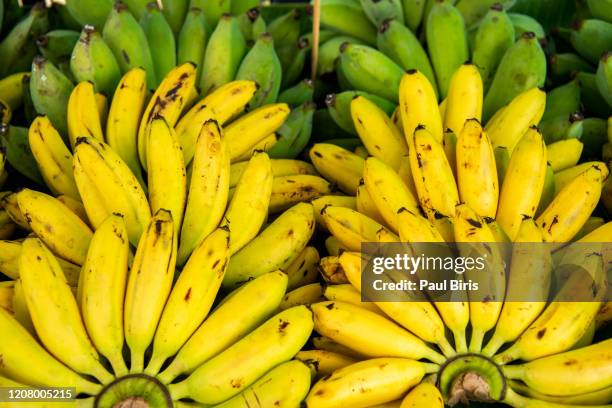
x,y
83,117
604,77
43,369
323,362
524,23
380,11
214,11
523,183
598,235
334,200
346,293
369,70
137,7
20,308
168,101
476,170
12,89
591,98
124,118
193,26
167,176
51,90
226,48
89,12
290,232
295,133
347,17
284,33
102,287
7,290
562,100
351,227
340,107
329,52
414,11
338,165
57,45
148,286
591,38
367,383
284,385
522,67
274,342
445,23
128,42
304,295
11,206
92,60
422,395
464,100
290,190
589,226
563,65
295,95
331,270
603,318
158,32
229,322
191,298
419,106
53,157
365,204
102,106
54,311
280,167
303,269
564,153
591,398
7,226
107,186
494,35
400,44
242,6
571,207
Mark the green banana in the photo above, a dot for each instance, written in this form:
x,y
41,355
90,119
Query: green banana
x,y
252,24
295,68
379,11
562,127
495,34
523,24
329,53
413,13
591,38
324,127
18,152
242,6
298,94
175,12
92,60
189,50
214,10
50,91
347,17
397,42
285,29
339,107
92,12
29,111
57,44
601,9
295,133
594,136
261,65
563,66
137,7
159,33
474,10
562,100
226,48
128,42
502,159
369,70
604,77
522,67
591,98
446,42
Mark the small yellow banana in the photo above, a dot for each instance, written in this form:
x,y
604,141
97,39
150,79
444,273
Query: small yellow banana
x,y
75,206
333,200
102,105
464,100
263,145
9,258
290,190
350,227
347,293
449,144
405,172
424,394
304,295
20,308
11,206
419,106
565,176
602,396
83,117
519,401
338,165
324,362
12,89
333,246
367,206
564,153
280,167
601,234
7,292
303,269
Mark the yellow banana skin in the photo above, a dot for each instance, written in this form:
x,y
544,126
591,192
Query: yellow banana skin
x,y
346,293
263,145
74,205
280,167
58,227
476,171
424,394
222,104
367,383
242,364
602,396
379,135
248,208
433,176
108,186
564,153
419,106
12,88
83,117
11,206
304,295
102,287
170,98
351,227
7,292
507,127
274,247
331,200
191,298
290,190
18,346
323,362
55,312
124,118
53,157
167,182
9,258
367,206
523,184
464,100
283,386
572,206
580,371
601,234
338,165
519,401
229,322
149,284
303,269
208,189
565,176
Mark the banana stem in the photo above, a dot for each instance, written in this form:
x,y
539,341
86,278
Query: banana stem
x,y
137,362
154,365
476,340
513,372
446,348
514,399
118,364
460,341
179,390
102,375
87,387
494,344
431,368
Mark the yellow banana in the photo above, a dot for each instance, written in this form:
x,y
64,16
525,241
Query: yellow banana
x,y
347,293
564,153
361,152
332,271
108,186
602,396
12,89
327,344
9,258
274,247
571,207
55,312
304,295
419,106
75,206
11,206
464,100
414,228
519,401
7,226
102,288
379,135
350,227
476,171
53,157
523,184
280,167
525,110
303,269
324,362
263,145
248,208
290,190
601,234
449,144
333,200
167,182
7,291
149,284
405,172
367,206
424,394
338,165
253,127
230,372
58,227
565,176
20,308
83,117
229,322
124,118
170,98
102,105
333,246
